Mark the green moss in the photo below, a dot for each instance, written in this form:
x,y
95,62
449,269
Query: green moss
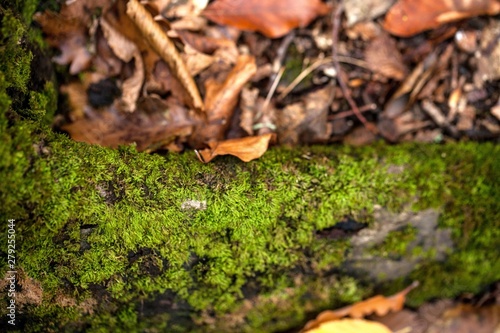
x,y
396,244
254,227
15,61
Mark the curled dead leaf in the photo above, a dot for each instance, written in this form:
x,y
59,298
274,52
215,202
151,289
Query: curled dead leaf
x,y
162,44
246,149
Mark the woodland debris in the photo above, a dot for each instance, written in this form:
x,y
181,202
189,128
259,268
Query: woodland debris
x,y
221,99
435,86
126,51
162,44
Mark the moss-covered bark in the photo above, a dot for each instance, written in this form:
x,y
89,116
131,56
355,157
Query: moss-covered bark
x,y
115,240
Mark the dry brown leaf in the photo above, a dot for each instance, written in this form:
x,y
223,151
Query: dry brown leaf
x,y
465,318
306,121
246,149
68,31
409,17
204,44
248,106
221,99
126,51
351,326
273,18
155,124
84,10
379,305
160,42
77,98
195,60
118,18
69,35
383,57
289,120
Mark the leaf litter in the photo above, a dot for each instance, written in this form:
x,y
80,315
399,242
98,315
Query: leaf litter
x,y
233,77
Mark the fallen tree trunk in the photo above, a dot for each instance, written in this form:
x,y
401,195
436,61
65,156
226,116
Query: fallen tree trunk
x,y
120,240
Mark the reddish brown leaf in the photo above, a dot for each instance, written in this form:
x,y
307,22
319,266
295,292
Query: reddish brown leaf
x,y
410,17
155,124
383,57
273,18
378,304
69,35
221,99
246,149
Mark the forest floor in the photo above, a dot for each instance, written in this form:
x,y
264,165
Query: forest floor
x,y
234,77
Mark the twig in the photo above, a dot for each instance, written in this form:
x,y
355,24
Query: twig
x,y
348,113
280,56
270,94
336,18
315,65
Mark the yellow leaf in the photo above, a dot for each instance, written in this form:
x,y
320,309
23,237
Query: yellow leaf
x,y
351,326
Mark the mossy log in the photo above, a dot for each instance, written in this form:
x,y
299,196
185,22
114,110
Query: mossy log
x,y
116,240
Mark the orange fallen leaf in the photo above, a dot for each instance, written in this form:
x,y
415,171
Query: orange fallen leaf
x,y
273,18
221,100
378,304
408,17
246,149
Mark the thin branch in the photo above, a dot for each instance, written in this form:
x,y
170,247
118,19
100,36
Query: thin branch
x,y
336,18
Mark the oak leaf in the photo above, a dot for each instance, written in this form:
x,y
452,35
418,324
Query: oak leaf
x,y
408,17
273,18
